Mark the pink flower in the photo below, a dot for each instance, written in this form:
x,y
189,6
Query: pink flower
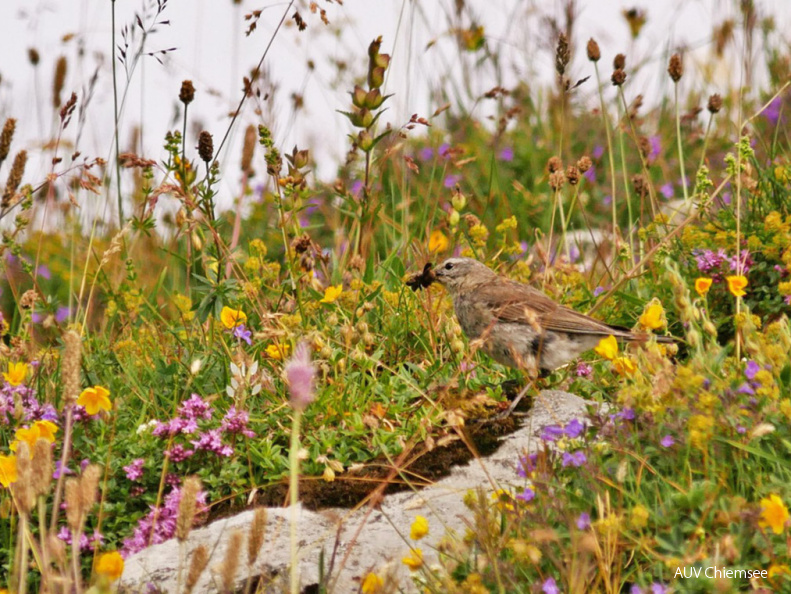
x,y
300,376
135,470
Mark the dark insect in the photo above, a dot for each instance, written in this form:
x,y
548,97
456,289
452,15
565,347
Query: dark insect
x,y
422,280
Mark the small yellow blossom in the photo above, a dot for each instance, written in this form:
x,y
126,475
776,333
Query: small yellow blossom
x,y
27,434
419,528
46,430
652,317
414,561
7,470
775,569
702,285
639,517
16,373
737,284
372,584
231,318
607,348
503,499
95,399
278,351
331,293
774,514
110,565
624,366
437,241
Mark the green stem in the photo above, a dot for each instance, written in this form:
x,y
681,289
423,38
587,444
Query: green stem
x,y
606,121
293,488
680,148
115,120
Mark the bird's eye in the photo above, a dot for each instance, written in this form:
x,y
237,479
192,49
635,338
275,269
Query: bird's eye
x,y
448,266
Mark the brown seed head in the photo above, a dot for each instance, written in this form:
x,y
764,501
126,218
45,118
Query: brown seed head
x,y
231,562
58,81
187,507
618,77
187,92
675,68
573,175
255,538
24,497
42,471
644,145
619,63
594,53
72,499
562,54
6,136
584,163
33,56
70,369
198,561
205,146
14,178
715,103
638,181
554,164
556,180
248,150
28,299
89,487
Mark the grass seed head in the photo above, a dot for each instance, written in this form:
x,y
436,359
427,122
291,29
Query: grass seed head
x,y
675,68
594,53
187,92
6,137
58,81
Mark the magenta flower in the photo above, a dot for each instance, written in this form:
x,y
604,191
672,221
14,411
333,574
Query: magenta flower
x,y
507,154
300,375
667,441
236,422
195,408
243,333
551,433
134,471
550,586
583,369
527,495
573,428
451,180
584,521
211,441
574,460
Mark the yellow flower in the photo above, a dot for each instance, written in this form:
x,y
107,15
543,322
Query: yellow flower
x,y
737,284
28,435
702,285
372,584
7,470
46,429
775,569
607,348
111,565
95,399
16,373
278,351
414,561
503,499
639,517
419,528
624,366
437,242
774,514
231,318
652,317
331,293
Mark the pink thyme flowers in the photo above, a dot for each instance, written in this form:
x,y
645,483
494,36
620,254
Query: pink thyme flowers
x,y
300,375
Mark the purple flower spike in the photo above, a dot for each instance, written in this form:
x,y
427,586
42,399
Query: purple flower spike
x,y
300,376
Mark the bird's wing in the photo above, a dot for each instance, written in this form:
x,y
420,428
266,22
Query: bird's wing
x,y
514,302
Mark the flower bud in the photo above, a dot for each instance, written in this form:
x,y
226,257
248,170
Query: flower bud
x,y
358,96
365,141
453,217
373,99
459,201
382,60
376,77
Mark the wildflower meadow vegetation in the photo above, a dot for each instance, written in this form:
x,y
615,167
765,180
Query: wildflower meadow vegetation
x,y
169,362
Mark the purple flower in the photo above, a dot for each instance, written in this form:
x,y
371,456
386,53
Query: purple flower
x,y
606,200
550,587
635,589
551,432
356,188
211,441
667,190
741,264
598,291
300,375
507,154
43,272
178,453
583,369
598,151
584,521
627,414
708,260
746,388
174,427
527,465
656,148
451,180
741,429
236,422
243,333
573,429
444,150
657,588
56,473
574,460
667,441
773,110
527,495
751,369
195,408
62,314
426,153
134,470
590,174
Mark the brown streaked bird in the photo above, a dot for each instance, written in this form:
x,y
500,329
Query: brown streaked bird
x,y
520,326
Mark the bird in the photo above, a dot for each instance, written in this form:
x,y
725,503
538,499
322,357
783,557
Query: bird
x,y
518,325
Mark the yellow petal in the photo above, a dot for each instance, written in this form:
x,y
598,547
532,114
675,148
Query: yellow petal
x,y
437,241
231,318
8,473
652,317
372,584
46,430
607,348
16,373
737,284
414,561
331,293
419,528
702,285
110,565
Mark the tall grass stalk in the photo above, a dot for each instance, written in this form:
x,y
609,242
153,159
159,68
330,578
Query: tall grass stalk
x,y
610,155
680,147
293,489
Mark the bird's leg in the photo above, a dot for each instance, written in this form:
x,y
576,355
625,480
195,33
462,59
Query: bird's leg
x,y
514,403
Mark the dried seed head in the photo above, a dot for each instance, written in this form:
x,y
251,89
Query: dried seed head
x,y
6,137
562,54
554,164
556,180
573,175
70,369
205,146
645,146
33,56
638,181
24,497
248,150
187,92
58,81
584,163
255,538
72,499
594,53
89,487
28,299
619,63
635,106
715,103
231,562
198,561
675,68
14,177
57,550
42,471
187,507
618,77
